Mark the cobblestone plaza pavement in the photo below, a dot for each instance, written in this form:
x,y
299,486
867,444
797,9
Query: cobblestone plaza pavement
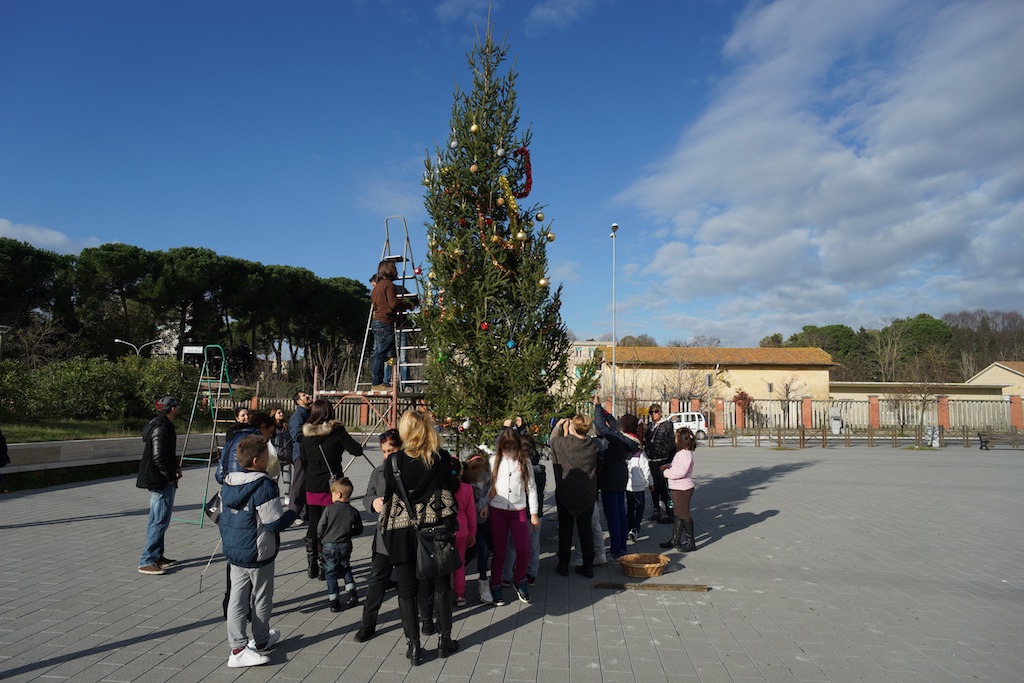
x,y
842,564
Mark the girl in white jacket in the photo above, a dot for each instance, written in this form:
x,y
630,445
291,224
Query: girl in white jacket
x,y
640,481
513,499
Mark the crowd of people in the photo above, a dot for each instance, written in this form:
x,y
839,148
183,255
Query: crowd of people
x,y
490,506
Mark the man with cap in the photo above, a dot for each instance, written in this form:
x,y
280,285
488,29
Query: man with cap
x,y
159,472
660,438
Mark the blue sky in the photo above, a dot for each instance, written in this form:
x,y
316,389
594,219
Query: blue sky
x,y
771,164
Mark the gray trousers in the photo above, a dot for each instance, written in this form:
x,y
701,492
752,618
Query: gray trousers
x,y
255,585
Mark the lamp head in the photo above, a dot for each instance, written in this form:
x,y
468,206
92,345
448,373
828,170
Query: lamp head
x,y
615,227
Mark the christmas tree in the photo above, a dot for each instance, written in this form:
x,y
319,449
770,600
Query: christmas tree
x,y
491,320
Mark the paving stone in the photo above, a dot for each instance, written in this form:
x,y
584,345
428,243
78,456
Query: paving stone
x,y
825,565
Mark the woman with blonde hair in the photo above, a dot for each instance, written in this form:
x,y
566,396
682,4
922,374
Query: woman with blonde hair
x,y
425,471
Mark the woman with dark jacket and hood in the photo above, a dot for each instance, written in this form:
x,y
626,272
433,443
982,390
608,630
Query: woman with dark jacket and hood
x,y
620,442
324,443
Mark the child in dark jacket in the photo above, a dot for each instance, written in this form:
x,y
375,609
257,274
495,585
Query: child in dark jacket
x,y
251,521
338,524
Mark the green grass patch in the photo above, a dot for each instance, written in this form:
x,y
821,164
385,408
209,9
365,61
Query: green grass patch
x,y
74,430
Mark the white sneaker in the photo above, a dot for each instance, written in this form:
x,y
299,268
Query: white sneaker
x,y
247,657
275,636
485,591
600,559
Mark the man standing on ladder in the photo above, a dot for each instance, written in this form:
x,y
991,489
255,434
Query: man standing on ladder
x,y
386,307
297,490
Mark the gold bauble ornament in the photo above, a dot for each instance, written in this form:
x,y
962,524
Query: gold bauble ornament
x,y
540,216
543,282
521,236
474,128
474,168
495,239
500,201
431,275
551,237
456,252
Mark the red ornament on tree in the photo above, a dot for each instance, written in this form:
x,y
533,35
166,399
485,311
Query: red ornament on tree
x,y
417,271
485,326
462,222
488,221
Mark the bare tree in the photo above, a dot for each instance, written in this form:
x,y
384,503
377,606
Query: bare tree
x,y
43,340
886,348
789,390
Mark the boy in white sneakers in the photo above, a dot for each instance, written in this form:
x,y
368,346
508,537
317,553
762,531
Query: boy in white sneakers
x,y
251,520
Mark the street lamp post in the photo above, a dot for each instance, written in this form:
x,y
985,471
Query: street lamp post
x,y
138,349
615,340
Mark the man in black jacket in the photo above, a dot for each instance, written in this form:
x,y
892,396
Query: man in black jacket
x,y
660,438
159,472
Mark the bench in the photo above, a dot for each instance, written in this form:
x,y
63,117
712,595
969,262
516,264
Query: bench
x,y
987,440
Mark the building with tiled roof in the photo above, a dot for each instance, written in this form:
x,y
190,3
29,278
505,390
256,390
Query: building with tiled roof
x,y
1007,373
682,371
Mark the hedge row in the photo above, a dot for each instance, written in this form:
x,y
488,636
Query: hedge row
x,y
93,388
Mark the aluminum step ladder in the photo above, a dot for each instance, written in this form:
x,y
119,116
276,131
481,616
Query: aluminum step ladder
x,y
407,367
214,388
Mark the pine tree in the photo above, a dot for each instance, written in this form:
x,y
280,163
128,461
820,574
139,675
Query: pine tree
x,y
491,321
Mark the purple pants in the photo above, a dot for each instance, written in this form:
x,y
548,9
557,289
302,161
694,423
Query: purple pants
x,y
503,522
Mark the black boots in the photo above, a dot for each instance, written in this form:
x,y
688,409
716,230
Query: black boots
x,y
689,543
353,599
364,633
312,557
443,611
407,608
677,532
682,536
425,605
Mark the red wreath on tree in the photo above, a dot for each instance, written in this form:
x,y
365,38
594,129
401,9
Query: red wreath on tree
x,y
525,154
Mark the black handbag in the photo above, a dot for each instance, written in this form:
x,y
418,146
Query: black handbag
x,y
436,554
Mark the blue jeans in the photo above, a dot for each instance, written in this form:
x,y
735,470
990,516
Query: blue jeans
x,y
615,512
160,503
383,348
336,563
482,548
401,339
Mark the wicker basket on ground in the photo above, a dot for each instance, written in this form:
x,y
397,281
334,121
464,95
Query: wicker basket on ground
x,y
642,565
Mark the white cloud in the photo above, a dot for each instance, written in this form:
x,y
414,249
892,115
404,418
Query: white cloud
x,y
473,11
865,160
556,14
565,271
384,195
45,238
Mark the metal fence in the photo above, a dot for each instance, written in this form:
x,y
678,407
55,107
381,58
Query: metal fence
x,y
769,415
964,415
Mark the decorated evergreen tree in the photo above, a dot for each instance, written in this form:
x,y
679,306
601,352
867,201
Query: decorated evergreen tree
x,y
491,320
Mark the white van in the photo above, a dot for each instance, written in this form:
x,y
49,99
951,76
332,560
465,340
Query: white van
x,y
695,421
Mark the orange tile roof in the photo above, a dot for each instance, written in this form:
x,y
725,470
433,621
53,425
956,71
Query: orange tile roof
x,y
1015,365
673,355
